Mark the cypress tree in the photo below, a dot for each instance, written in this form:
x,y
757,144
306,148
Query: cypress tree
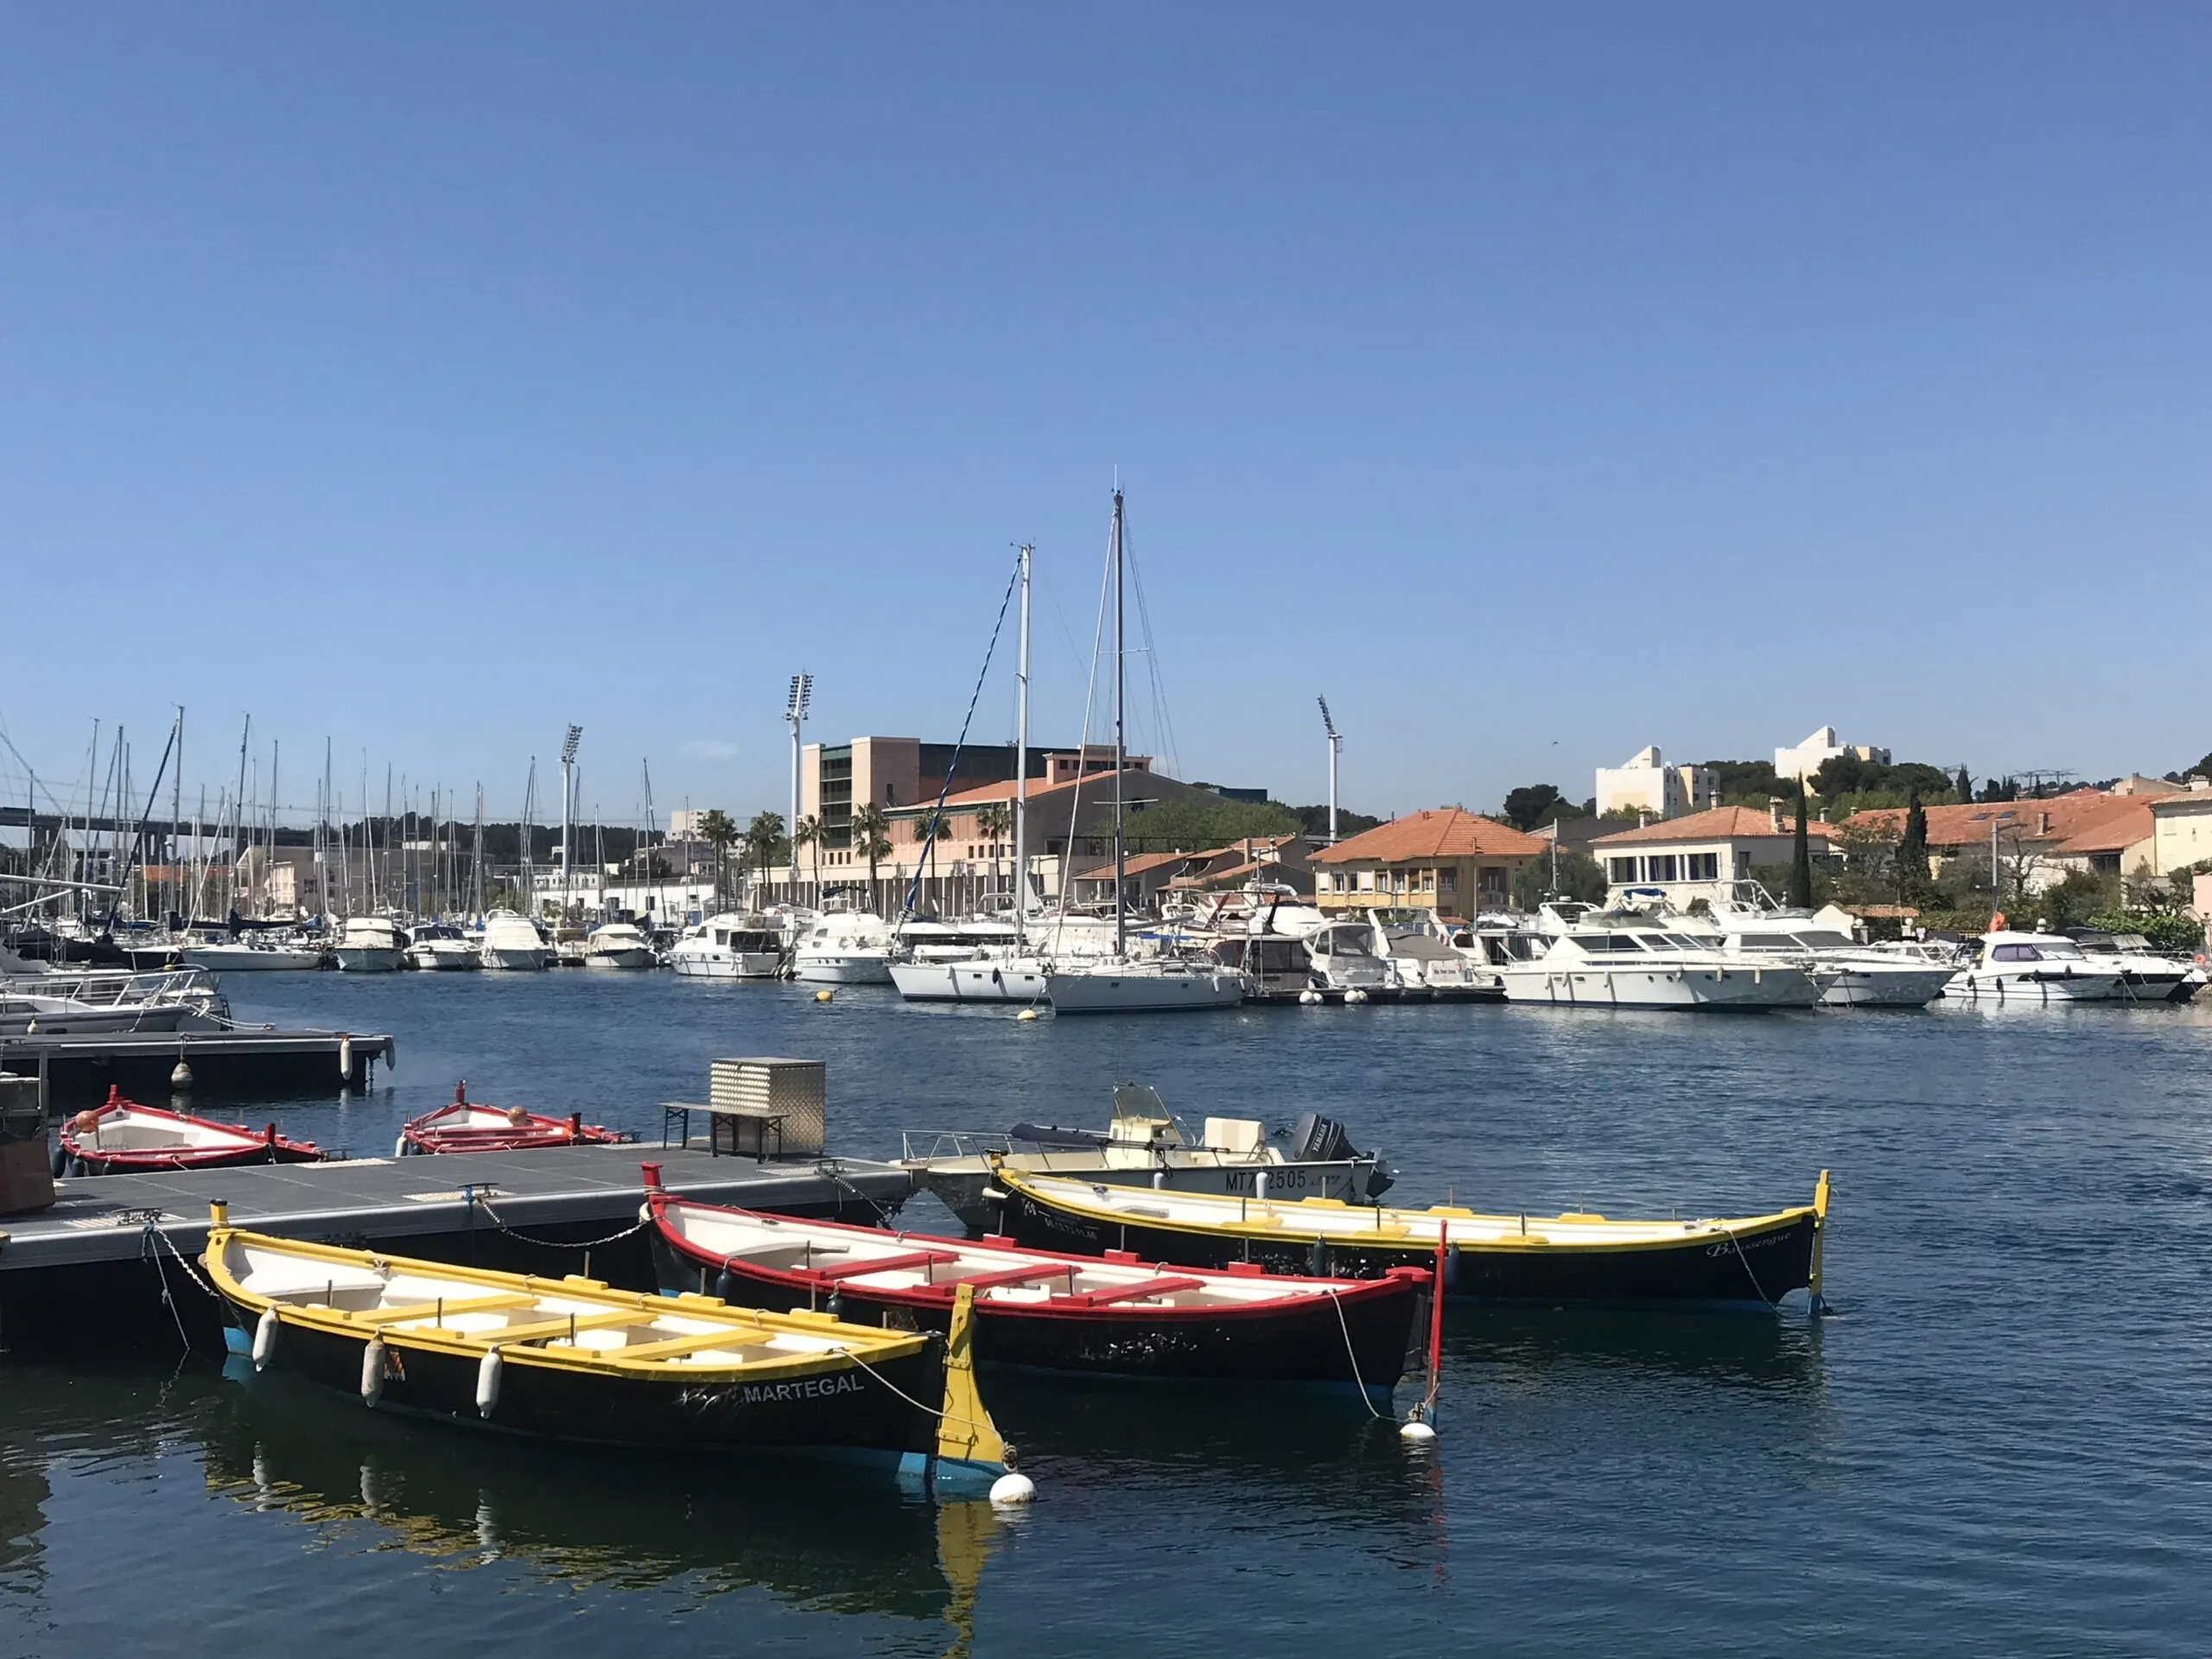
x,y
1801,860
1912,852
1965,785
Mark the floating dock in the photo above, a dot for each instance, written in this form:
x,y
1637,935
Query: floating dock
x,y
225,1065
108,1264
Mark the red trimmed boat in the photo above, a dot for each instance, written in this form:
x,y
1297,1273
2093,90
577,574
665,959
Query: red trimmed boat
x,y
466,1126
1038,1309
122,1138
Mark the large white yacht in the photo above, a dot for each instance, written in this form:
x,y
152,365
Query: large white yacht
x,y
844,947
2145,975
729,946
511,942
618,945
1851,973
2030,968
441,947
370,944
1625,962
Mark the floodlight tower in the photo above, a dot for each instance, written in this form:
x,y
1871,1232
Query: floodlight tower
x,y
795,711
567,794
1336,744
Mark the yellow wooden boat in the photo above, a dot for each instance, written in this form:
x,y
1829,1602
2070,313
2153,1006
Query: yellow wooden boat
x,y
1574,1257
570,1359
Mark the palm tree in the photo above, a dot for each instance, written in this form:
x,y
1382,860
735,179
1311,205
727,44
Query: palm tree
x,y
807,832
993,824
764,839
716,829
871,843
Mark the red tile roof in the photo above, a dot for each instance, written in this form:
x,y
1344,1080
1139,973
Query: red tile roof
x,y
2071,815
1718,823
1434,833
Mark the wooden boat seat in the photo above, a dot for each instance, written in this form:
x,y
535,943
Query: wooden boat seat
x,y
1012,1275
675,1347
487,1303
1170,1286
887,1264
547,1330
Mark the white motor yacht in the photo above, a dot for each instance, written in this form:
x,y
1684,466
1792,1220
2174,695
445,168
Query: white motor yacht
x,y
2032,967
1346,967
1623,962
2145,975
248,955
618,945
513,943
729,947
1428,966
370,944
844,948
440,947
1851,973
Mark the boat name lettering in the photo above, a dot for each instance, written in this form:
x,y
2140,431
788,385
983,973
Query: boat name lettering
x,y
810,1387
1240,1180
1730,1246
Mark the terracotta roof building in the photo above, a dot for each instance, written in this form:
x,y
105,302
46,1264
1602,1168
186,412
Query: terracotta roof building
x,y
1701,856
1446,859
2039,841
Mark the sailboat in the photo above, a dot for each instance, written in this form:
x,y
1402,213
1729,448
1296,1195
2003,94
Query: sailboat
x,y
1120,984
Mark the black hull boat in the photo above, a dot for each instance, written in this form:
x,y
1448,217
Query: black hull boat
x,y
1113,1315
1752,1261
571,1360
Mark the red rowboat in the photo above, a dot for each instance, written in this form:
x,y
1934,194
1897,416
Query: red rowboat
x,y
465,1126
122,1137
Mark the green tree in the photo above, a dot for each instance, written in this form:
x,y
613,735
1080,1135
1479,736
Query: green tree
x,y
1801,858
1534,806
1964,787
1195,824
1581,876
871,840
807,833
764,845
719,832
993,824
1912,853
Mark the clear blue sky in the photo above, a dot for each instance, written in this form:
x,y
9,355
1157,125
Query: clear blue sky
x,y
1536,382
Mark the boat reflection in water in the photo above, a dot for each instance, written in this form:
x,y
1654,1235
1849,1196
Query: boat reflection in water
x,y
814,1534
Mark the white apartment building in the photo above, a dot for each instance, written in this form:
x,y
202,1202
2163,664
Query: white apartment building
x,y
1646,783
1803,760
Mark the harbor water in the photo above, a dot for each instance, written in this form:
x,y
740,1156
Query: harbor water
x,y
1996,1444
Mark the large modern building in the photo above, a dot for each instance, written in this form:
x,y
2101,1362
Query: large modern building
x,y
1645,783
1803,760
893,773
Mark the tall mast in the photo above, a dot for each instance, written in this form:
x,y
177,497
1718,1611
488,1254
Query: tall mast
x,y
176,821
1021,758
1121,748
238,823
323,858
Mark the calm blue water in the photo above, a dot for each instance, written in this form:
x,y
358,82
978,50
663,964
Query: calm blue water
x,y
1999,1446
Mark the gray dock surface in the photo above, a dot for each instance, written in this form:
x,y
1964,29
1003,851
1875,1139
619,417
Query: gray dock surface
x,y
389,1201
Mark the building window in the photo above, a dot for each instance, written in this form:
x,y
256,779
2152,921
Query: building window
x,y
1428,881
1621,870
1448,882
1660,867
1702,866
1743,865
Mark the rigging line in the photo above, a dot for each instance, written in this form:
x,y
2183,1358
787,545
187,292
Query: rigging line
x,y
1163,727
937,815
1083,750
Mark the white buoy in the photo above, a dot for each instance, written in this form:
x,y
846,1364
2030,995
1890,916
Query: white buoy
x,y
1416,1433
372,1371
264,1340
181,1077
488,1381
823,996
1009,1490
1027,1014
1310,997
345,1058
1355,995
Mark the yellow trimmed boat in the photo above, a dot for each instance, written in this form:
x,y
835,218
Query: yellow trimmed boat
x,y
570,1359
1574,1257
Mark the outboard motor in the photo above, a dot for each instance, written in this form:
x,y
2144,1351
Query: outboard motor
x,y
1317,1139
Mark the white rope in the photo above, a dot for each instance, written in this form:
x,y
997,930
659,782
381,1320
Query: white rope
x,y
1337,1302
1746,1261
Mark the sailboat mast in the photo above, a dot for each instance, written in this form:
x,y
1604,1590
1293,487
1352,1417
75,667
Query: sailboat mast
x,y
1120,747
1021,758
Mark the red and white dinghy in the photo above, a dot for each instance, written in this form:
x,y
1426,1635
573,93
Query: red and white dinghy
x,y
1036,1309
122,1137
466,1126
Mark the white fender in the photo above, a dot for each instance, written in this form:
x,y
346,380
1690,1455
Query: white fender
x,y
372,1371
488,1381
264,1340
1010,1489
399,1147
346,1057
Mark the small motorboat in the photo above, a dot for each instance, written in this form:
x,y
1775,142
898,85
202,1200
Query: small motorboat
x,y
1575,1258
466,1126
121,1137
569,1359
1116,1315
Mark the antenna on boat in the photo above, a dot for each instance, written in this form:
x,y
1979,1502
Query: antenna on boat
x,y
1335,745
795,710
